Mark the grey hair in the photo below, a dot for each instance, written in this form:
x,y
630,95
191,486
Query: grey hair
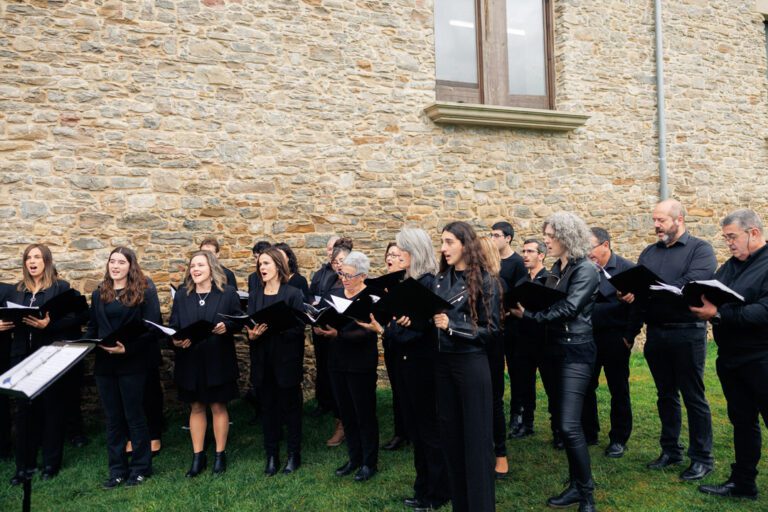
x,y
418,245
572,232
744,218
359,261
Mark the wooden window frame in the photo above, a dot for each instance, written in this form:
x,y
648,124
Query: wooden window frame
x,y
492,65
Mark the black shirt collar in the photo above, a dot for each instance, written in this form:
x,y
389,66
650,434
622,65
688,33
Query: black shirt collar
x,y
683,240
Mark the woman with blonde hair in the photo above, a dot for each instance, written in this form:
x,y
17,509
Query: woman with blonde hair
x,y
206,373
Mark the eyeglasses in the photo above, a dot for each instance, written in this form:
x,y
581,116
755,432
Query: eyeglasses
x,y
391,255
731,237
344,275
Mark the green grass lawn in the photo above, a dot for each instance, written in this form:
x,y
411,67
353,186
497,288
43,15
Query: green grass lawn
x,y
538,470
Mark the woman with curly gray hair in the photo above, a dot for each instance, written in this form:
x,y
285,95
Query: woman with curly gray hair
x,y
568,325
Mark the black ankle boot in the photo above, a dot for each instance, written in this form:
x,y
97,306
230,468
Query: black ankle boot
x,y
570,496
220,463
587,504
199,463
293,463
271,467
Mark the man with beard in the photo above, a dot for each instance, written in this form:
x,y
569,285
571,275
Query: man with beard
x,y
676,345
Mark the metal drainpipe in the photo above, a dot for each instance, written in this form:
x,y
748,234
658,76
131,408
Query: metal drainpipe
x,y
662,119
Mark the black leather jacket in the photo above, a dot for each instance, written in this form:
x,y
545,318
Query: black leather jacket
x,y
462,335
569,321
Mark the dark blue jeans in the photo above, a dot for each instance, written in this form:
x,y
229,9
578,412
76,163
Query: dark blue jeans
x,y
676,359
122,397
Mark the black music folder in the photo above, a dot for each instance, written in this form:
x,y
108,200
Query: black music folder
x,y
125,334
278,317
533,296
195,332
716,292
637,279
386,282
325,316
413,300
15,313
69,301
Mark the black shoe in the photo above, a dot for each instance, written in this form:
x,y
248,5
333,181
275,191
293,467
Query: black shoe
x,y
696,471
49,472
415,503
615,450
220,463
587,504
199,463
113,482
569,497
346,469
663,461
365,473
272,463
79,441
135,480
318,411
521,432
21,476
557,443
729,489
434,505
292,464
395,443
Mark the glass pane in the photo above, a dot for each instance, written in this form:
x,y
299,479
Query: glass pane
x,y
525,54
455,41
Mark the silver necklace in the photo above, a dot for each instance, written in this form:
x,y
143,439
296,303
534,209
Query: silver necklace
x,y
202,299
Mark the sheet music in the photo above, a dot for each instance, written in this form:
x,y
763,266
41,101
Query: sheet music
x,y
242,294
166,330
714,283
40,368
316,300
13,305
340,304
667,288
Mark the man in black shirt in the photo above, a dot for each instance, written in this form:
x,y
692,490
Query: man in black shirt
x,y
512,270
741,334
609,322
212,245
676,345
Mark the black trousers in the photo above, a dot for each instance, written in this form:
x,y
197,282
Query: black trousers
x,y
355,395
416,378
676,359
153,404
495,352
280,406
517,390
45,415
391,362
464,398
5,402
122,397
574,381
73,416
745,390
613,357
323,389
529,359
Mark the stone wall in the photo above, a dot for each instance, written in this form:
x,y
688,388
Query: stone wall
x,y
157,123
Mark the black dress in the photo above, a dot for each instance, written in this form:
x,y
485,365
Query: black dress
x,y
207,372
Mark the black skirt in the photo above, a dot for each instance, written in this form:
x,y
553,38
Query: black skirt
x,y
209,394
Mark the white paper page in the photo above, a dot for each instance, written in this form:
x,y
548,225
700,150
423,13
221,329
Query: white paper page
x,y
13,305
714,283
339,303
40,368
242,294
173,293
166,330
666,287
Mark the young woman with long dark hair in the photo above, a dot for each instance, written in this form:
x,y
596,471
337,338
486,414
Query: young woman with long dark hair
x,y
125,295
464,392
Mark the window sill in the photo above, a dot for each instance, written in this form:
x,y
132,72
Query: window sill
x,y
505,117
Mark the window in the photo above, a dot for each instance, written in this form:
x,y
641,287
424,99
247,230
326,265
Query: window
x,y
495,52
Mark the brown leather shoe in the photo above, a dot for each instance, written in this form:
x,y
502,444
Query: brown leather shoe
x,y
338,435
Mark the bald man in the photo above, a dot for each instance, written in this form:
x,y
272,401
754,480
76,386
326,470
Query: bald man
x,y
676,344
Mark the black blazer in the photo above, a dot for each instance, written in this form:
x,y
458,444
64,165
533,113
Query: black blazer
x,y
355,349
300,282
28,339
216,354
278,352
231,279
141,352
